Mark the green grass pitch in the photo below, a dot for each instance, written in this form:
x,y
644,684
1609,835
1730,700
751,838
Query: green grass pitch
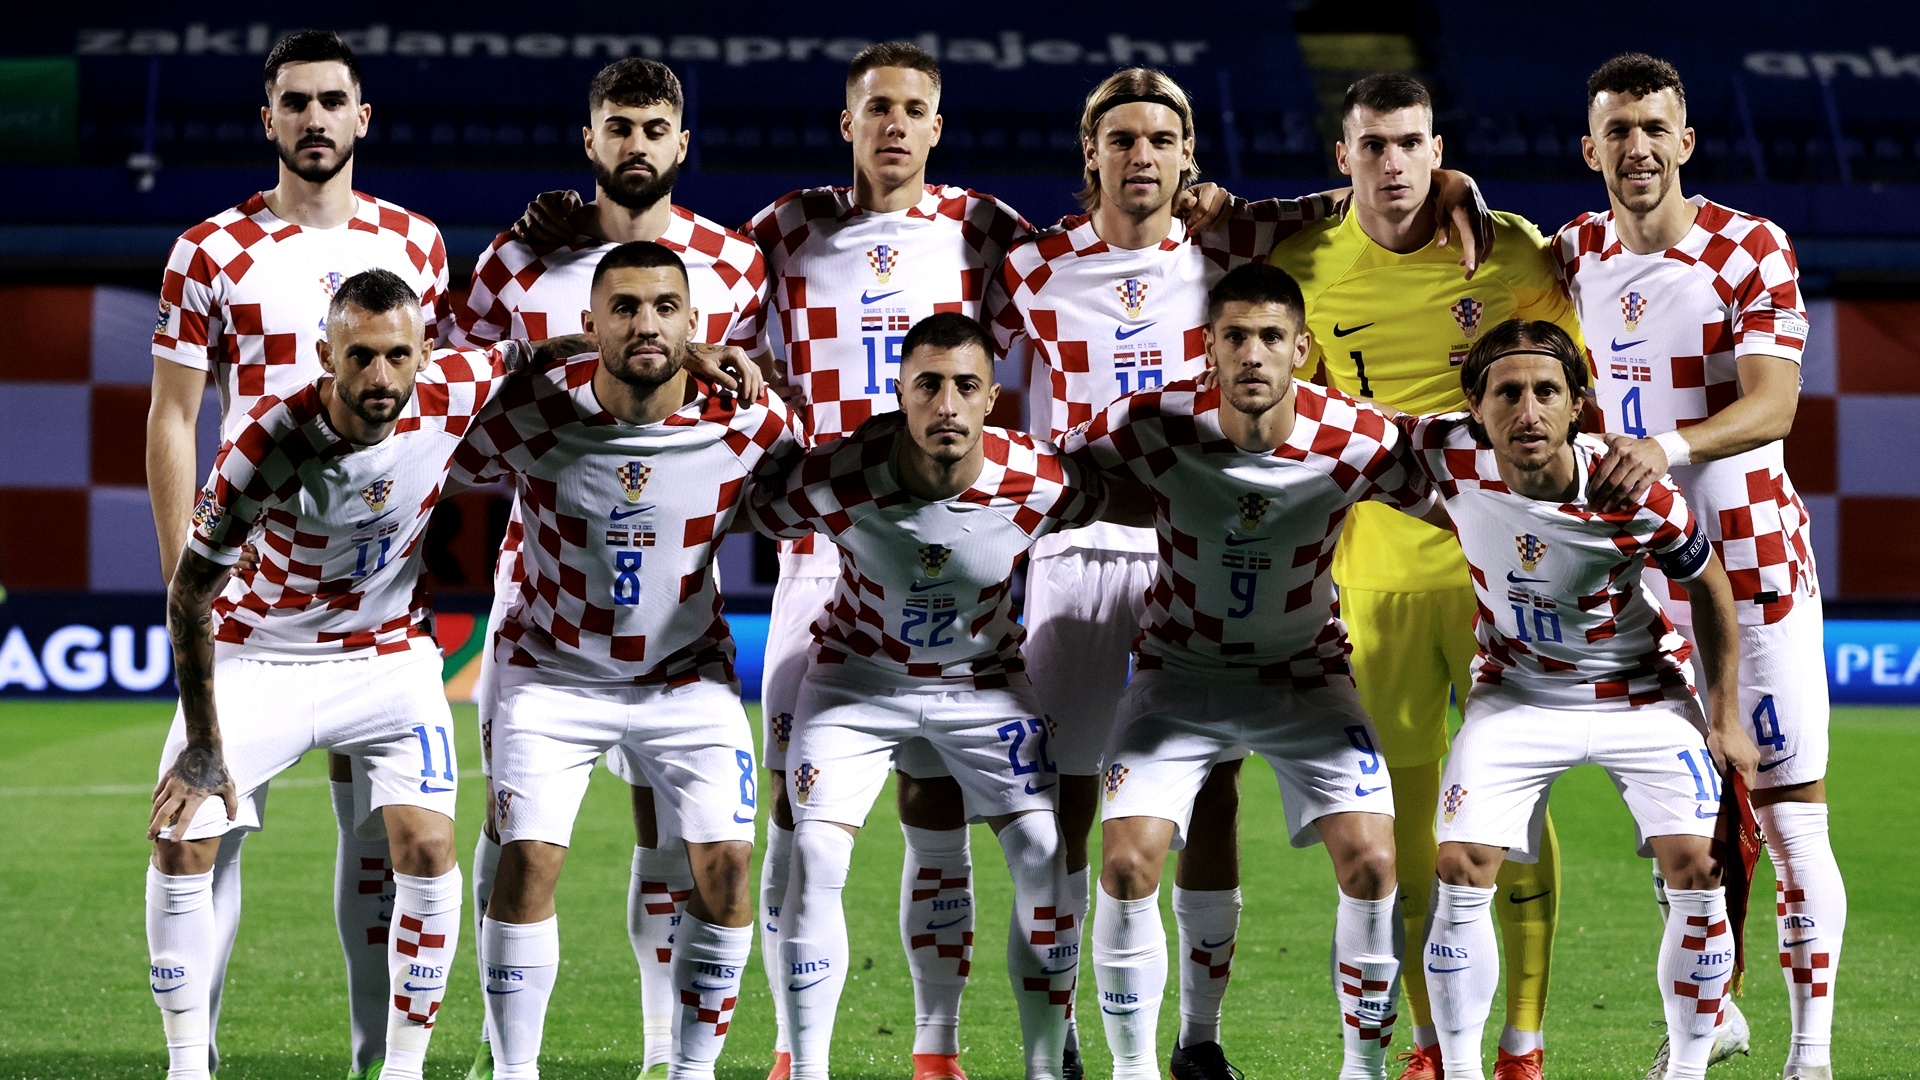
x,y
74,779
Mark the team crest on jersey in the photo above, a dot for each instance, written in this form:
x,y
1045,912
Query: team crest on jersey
x,y
502,806
375,495
884,258
331,281
1252,509
1133,296
1116,775
1532,550
1633,308
166,315
633,479
1450,805
207,512
782,728
804,778
1466,313
933,559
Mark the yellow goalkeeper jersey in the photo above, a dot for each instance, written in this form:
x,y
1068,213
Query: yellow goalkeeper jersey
x,y
1395,329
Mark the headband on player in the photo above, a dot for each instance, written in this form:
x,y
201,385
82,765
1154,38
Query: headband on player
x,y
1118,100
1481,383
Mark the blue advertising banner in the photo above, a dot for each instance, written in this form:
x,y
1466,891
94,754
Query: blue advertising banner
x,y
1873,662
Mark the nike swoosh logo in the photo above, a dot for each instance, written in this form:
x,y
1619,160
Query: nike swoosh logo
x,y
1444,971
917,587
1243,541
1031,790
1210,945
497,993
1705,814
1515,897
931,925
1118,1012
1058,971
425,790
1802,941
1338,332
738,820
412,989
622,515
1696,976
869,298
1618,345
1363,792
165,989
704,986
1769,766
371,520
1122,335
794,988
1518,580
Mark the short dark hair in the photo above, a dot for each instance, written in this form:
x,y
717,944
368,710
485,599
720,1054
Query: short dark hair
x,y
1637,74
639,255
900,54
946,330
1388,91
310,47
1257,283
1531,335
373,291
636,81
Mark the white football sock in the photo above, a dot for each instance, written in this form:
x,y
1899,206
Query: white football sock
x,y
180,950
486,866
522,962
1077,905
426,931
362,910
1130,970
226,927
1043,943
1810,908
773,893
1462,967
813,942
936,929
1368,937
708,961
1207,922
1519,1042
1660,893
1696,975
656,900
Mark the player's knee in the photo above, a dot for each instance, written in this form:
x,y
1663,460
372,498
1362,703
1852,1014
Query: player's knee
x,y
721,877
933,802
1126,873
1456,864
1369,872
782,811
424,852
1690,866
181,858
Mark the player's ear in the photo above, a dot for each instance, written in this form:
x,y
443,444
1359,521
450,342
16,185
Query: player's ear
x,y
325,352
846,125
1590,152
586,322
939,124
1340,158
1686,144
1439,145
266,119
366,115
686,140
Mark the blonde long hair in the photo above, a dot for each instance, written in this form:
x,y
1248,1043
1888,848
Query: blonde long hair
x,y
1119,88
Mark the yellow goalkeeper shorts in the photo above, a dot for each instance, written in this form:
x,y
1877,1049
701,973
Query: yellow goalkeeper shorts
x,y
1410,649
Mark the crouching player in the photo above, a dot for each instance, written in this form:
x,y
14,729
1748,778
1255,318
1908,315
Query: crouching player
x,y
1577,665
933,512
1241,651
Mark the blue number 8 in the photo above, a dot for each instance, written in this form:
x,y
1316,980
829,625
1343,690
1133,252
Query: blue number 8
x,y
626,586
747,790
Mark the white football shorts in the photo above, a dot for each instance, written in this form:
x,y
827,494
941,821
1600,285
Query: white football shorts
x,y
1175,726
797,602
1083,613
1783,692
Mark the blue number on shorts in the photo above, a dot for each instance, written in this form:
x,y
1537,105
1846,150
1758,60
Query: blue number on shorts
x,y
1363,742
1632,420
1241,584
1706,778
745,761
882,350
426,751
941,624
626,585
1016,732
360,568
1764,718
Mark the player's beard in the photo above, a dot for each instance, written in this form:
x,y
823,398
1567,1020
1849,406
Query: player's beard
x,y
378,408
313,173
636,194
646,379
947,453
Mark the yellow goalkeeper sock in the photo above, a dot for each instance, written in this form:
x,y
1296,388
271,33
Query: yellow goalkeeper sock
x,y
1416,791
1527,908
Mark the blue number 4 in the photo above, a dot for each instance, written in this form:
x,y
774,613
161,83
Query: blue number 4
x,y
1766,719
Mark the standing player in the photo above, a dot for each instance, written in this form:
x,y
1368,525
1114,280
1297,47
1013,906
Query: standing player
x,y
629,470
1392,318
1241,651
635,142
243,304
1576,665
932,512
1701,308
326,644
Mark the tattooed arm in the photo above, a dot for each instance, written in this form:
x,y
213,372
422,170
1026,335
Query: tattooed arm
x,y
200,772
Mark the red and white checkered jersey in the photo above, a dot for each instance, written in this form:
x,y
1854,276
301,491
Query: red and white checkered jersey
x,y
1246,539
622,522
339,525
524,291
1665,332
245,294
1100,322
925,590
1566,620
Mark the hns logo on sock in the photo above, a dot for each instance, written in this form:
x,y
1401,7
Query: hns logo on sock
x,y
804,778
1116,775
1450,805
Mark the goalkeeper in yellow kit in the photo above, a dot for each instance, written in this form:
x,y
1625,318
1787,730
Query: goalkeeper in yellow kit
x,y
1392,317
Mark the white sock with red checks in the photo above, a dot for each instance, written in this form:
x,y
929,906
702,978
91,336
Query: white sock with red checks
x,y
708,962
656,902
773,893
936,929
522,960
1462,970
1367,940
813,942
1696,974
180,951
486,866
426,930
1208,922
1810,906
1043,944
362,909
1130,970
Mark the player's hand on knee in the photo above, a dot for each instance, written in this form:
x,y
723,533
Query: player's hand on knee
x,y
1626,473
549,219
728,366
1202,206
198,774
